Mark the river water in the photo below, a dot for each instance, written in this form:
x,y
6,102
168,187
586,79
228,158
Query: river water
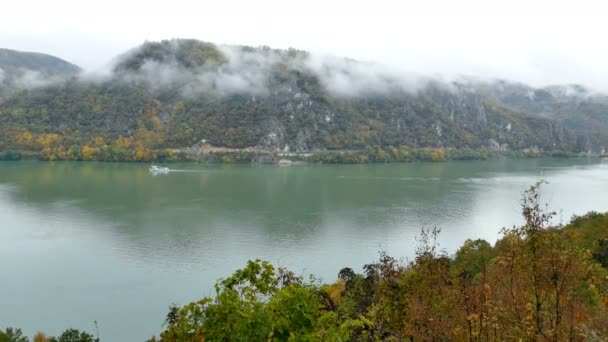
x,y
112,243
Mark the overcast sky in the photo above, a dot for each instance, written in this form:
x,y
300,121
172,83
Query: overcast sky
x,y
538,42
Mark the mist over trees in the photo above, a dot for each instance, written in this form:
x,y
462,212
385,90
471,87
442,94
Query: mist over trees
x,y
161,98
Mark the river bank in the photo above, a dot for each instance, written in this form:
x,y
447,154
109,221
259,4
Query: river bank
x,y
255,155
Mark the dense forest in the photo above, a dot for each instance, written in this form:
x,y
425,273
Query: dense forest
x,y
538,282
187,99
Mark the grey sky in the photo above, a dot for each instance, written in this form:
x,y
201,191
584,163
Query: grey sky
x,y
538,42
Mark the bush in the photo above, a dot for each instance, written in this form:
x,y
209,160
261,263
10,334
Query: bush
x,y
10,155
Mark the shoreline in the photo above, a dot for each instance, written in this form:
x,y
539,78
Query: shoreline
x,y
262,156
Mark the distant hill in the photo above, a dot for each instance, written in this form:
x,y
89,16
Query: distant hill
x,y
24,70
575,108
174,93
12,61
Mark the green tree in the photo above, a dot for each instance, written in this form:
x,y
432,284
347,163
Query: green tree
x,y
12,335
74,335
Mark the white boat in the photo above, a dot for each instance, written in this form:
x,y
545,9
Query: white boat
x,y
155,169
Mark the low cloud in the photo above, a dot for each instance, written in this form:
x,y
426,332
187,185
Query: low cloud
x,y
25,79
253,71
345,77
242,73
258,71
245,72
30,79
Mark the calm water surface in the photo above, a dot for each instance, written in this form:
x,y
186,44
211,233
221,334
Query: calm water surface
x,y
112,243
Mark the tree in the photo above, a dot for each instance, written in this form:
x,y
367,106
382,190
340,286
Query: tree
x,y
88,153
10,155
74,335
25,140
543,297
41,337
12,335
473,257
600,252
259,303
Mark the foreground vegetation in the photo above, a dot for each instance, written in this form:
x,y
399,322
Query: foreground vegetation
x,y
70,335
537,282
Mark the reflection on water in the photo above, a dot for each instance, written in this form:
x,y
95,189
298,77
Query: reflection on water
x,y
102,241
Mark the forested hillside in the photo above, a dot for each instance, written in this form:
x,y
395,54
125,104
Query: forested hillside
x,y
161,98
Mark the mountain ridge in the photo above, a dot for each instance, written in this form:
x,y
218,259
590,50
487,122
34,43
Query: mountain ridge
x,y
175,93
35,61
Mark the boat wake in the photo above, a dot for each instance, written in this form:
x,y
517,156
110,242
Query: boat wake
x,y
161,170
187,171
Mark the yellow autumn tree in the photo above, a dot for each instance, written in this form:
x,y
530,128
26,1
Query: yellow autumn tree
x,y
48,140
47,154
25,140
149,139
141,153
88,152
394,153
435,154
99,141
382,155
150,116
41,337
60,152
404,152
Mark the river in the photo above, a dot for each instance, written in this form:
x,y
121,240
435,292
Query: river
x,y
112,243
